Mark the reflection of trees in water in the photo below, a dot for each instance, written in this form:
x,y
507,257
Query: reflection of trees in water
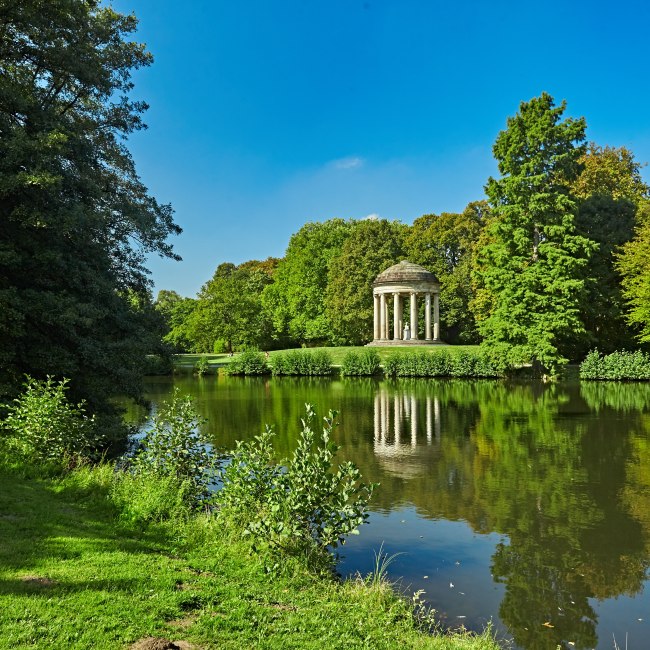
x,y
620,396
531,463
562,470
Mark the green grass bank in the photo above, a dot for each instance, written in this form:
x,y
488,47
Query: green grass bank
x,y
74,575
189,361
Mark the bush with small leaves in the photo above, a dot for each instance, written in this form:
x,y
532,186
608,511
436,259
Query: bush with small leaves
x,y
364,363
249,362
619,365
305,363
202,366
174,448
440,363
42,427
304,505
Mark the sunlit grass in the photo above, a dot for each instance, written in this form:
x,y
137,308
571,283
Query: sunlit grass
x,y
73,576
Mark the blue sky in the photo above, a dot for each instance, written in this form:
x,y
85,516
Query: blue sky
x,y
266,114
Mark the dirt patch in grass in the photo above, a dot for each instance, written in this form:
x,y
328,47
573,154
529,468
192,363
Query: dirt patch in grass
x,y
183,623
38,581
158,643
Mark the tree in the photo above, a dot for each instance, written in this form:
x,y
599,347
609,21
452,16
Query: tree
x,y
75,220
229,308
633,263
296,299
371,247
610,189
533,266
612,172
444,244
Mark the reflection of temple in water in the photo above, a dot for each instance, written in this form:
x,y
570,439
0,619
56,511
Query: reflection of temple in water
x,y
406,429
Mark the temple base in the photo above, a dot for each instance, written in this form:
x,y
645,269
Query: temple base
x,y
393,342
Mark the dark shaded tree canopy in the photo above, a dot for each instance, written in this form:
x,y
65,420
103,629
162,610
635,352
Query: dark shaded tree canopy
x,y
76,222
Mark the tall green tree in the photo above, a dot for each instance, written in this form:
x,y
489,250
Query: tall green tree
x,y
296,299
633,263
533,268
372,246
75,220
229,309
610,189
444,244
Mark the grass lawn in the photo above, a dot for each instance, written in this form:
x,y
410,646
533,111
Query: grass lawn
x,y
71,576
337,353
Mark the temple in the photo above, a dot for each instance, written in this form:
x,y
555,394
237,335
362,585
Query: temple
x,y
406,280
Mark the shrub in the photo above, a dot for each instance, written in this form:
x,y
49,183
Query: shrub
x,y
44,428
174,450
361,364
302,363
249,362
303,505
617,365
201,367
441,364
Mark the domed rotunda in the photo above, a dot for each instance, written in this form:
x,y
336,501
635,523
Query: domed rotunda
x,y
406,280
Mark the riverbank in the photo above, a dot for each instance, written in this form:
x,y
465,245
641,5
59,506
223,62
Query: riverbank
x,y
73,575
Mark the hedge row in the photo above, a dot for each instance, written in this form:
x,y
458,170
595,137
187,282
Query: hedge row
x,y
303,363
440,364
364,363
249,362
617,365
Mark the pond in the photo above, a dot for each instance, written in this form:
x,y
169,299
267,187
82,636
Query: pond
x,y
523,504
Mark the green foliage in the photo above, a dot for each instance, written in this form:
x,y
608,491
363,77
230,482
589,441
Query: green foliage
x,y
220,346
305,363
371,247
609,223
304,505
249,362
158,364
533,265
621,364
613,172
633,263
77,223
442,364
202,366
175,449
145,497
364,363
44,428
229,307
444,244
296,300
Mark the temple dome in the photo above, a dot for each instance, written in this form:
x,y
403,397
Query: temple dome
x,y
405,272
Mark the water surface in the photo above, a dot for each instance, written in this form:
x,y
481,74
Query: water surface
x,y
523,504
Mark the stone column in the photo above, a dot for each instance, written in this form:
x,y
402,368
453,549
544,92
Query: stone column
x,y
383,327
414,316
427,316
397,316
436,317
376,317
